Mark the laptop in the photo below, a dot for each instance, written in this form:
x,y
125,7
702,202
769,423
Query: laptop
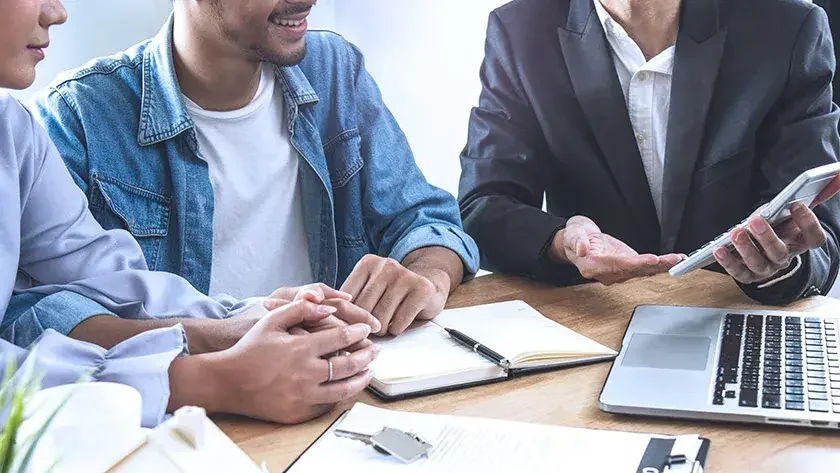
x,y
734,365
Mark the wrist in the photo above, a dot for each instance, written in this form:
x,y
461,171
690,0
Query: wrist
x,y
209,335
441,266
199,380
557,248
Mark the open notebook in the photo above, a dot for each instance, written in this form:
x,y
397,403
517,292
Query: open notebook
x,y
425,359
467,444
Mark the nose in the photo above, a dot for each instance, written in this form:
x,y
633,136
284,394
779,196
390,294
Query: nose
x,y
52,13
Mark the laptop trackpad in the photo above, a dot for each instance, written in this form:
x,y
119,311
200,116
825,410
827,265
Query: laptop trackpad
x,y
673,352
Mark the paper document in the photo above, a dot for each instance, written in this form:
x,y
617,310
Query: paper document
x,y
462,444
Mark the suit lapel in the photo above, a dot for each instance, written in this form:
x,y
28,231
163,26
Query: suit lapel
x,y
597,88
700,46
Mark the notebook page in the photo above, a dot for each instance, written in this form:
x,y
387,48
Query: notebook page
x,y
424,351
482,445
515,329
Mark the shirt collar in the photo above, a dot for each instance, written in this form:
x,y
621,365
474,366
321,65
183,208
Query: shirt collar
x,y
662,63
163,112
607,21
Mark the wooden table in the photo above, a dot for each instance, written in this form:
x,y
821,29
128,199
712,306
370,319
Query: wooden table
x,y
570,397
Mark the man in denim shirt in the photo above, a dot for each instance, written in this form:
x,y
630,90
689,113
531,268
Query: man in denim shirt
x,y
242,152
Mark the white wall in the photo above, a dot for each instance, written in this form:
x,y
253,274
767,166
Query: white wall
x,y
425,55
97,28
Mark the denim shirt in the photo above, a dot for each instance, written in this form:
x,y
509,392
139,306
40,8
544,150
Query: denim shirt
x,y
122,127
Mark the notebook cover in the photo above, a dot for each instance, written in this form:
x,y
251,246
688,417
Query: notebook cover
x,y
511,374
703,453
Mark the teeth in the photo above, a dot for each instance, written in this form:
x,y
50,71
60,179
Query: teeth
x,y
290,23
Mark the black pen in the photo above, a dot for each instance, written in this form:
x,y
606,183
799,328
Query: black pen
x,y
482,350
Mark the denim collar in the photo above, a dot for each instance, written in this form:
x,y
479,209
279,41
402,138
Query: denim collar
x,y
163,113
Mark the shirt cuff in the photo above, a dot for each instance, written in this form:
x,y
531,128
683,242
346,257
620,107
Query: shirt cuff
x,y
141,362
793,268
444,236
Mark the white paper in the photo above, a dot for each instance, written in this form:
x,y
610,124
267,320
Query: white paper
x,y
422,352
464,444
514,329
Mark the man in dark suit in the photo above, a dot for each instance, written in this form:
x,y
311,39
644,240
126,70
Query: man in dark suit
x,y
651,127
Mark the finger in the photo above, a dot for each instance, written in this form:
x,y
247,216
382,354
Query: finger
x,y
359,277
293,314
271,304
360,346
331,293
372,292
812,231
751,256
297,330
339,338
734,266
632,266
576,240
388,305
325,292
353,314
338,391
348,366
407,313
311,293
667,262
774,248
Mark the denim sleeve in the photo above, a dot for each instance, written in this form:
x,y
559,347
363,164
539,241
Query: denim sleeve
x,y
141,362
29,315
403,212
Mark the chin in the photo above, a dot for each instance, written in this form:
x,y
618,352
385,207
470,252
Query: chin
x,y
17,79
285,56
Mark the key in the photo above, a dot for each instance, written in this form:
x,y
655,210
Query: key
x,y
819,406
404,446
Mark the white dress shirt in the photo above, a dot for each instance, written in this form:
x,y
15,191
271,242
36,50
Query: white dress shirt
x,y
647,92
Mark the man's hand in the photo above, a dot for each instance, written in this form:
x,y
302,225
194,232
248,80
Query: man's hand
x,y
274,375
762,252
601,257
397,295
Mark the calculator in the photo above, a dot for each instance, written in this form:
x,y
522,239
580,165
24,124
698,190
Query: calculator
x,y
811,188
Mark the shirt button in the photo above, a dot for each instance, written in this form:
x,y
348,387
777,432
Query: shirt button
x,y
640,138
643,76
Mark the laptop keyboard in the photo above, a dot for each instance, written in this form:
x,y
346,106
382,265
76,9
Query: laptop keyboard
x,y
776,362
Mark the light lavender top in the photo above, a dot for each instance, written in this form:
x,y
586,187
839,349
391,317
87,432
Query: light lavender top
x,y
50,243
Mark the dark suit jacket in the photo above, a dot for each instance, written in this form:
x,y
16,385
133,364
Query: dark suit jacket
x,y
751,108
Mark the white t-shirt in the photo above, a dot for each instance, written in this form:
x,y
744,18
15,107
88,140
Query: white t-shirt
x,y
259,242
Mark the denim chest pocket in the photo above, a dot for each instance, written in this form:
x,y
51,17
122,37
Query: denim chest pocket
x,y
344,160
143,213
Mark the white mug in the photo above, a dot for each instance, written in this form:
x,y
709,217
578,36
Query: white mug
x,y
98,419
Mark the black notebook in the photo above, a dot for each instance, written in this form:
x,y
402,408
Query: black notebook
x,y
425,359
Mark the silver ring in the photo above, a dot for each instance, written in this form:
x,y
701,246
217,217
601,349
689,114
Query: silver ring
x,y
330,374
